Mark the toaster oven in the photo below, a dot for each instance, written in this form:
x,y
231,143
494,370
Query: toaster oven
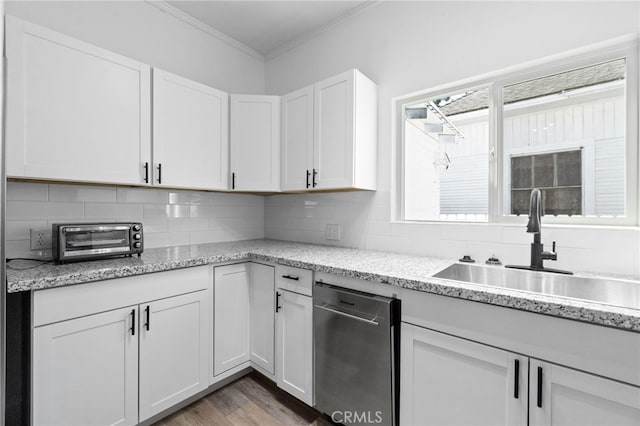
x,y
73,242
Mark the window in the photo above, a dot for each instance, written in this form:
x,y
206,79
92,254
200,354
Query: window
x,y
557,175
569,128
446,158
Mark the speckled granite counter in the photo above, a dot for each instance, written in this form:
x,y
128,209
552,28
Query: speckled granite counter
x,y
406,271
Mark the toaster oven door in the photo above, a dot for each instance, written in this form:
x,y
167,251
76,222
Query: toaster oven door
x,y
97,240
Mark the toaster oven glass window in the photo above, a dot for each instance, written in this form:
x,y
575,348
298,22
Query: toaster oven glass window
x,y
89,240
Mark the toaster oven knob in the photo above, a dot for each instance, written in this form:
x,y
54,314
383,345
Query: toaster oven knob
x,y
137,244
136,227
136,236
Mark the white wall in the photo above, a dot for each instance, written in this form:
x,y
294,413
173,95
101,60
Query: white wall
x,y
141,31
411,46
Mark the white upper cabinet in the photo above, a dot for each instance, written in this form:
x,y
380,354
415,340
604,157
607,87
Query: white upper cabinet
x,y
255,143
342,153
74,111
297,140
190,133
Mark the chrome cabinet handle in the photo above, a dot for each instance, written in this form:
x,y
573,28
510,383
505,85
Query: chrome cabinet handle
x,y
291,277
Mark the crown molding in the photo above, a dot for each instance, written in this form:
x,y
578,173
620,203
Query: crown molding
x,y
315,33
196,23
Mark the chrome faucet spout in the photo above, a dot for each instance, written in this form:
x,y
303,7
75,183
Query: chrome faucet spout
x,y
535,212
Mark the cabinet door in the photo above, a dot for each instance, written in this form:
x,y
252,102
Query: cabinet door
x,y
262,316
255,143
450,381
231,317
334,131
85,370
562,396
74,111
190,133
174,349
297,140
294,345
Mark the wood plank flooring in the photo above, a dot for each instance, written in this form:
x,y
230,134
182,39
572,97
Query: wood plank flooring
x,y
252,400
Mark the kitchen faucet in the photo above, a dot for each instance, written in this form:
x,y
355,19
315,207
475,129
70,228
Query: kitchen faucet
x,y
534,226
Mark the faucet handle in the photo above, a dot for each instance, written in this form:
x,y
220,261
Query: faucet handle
x,y
553,247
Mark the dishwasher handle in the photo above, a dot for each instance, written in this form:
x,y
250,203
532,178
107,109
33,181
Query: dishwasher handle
x,y
355,317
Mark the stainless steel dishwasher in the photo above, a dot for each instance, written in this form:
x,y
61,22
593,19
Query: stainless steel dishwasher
x,y
357,343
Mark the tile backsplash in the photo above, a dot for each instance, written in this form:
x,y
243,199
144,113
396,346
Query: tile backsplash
x,y
169,217
365,220
173,217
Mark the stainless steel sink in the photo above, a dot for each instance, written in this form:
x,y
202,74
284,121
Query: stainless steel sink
x,y
609,291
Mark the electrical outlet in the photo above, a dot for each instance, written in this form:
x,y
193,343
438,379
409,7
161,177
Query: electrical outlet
x,y
333,232
40,239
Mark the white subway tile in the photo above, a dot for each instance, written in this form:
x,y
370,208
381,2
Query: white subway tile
x,y
25,191
154,225
142,196
179,238
156,239
564,237
79,193
516,235
158,211
189,197
209,236
204,211
419,230
26,210
95,210
471,232
21,248
19,229
185,225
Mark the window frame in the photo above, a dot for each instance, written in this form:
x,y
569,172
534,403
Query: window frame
x,y
623,47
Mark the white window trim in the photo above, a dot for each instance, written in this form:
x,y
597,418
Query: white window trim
x,y
626,46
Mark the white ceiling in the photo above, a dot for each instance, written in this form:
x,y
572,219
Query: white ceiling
x,y
269,26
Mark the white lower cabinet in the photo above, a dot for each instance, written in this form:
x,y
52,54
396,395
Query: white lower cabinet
x,y
101,369
561,396
450,381
294,344
117,352
231,317
262,296
85,370
173,351
446,380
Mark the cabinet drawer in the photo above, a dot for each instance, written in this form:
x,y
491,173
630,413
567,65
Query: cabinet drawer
x,y
294,279
74,301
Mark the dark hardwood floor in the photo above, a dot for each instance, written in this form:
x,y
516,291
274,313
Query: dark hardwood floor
x,y
252,400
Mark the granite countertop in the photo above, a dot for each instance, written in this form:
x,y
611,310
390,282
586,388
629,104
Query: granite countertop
x,y
407,271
